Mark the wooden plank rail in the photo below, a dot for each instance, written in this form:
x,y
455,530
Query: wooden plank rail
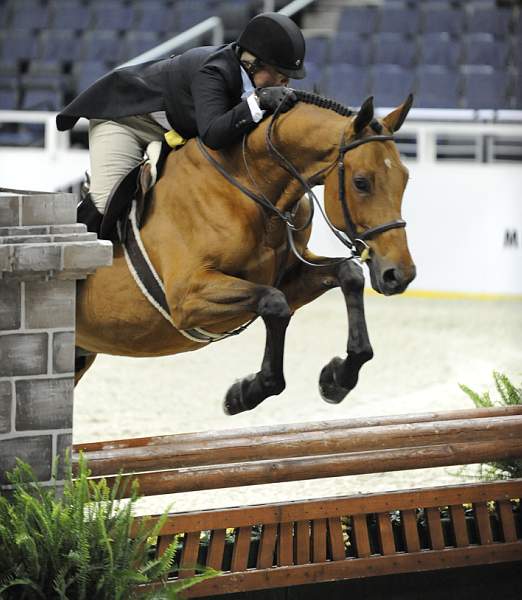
x,y
314,467
184,450
338,441
291,543
300,455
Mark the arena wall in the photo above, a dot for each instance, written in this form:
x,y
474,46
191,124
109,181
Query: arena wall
x,y
464,226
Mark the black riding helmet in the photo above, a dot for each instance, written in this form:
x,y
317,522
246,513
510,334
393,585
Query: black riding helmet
x,y
277,41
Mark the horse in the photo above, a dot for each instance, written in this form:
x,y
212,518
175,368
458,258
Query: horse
x,y
227,233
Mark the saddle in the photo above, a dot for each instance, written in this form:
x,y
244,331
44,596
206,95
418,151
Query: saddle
x,y
136,185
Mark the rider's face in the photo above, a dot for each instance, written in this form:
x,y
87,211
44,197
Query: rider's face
x,y
267,76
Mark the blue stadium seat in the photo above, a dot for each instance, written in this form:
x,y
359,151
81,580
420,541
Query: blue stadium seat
x,y
489,20
517,53
115,15
393,49
358,19
437,87
438,49
350,48
8,73
47,73
69,15
100,45
151,17
317,49
485,87
9,96
313,82
234,14
84,73
347,84
12,134
4,16
442,20
59,45
27,14
48,98
188,13
434,3
398,19
390,84
517,95
17,45
517,24
137,42
484,49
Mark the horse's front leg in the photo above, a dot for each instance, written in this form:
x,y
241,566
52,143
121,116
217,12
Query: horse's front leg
x,y
305,284
214,297
340,375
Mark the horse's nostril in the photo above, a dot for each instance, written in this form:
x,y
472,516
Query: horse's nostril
x,y
390,276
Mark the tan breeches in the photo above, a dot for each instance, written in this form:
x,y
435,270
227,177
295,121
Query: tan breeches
x,y
115,147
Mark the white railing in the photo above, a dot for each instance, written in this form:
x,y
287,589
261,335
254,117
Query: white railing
x,y
478,142
420,135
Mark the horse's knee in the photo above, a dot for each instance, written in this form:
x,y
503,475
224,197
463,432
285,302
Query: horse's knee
x,y
351,276
273,303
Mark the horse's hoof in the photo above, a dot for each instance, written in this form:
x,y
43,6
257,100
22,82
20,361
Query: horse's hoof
x,y
234,402
330,390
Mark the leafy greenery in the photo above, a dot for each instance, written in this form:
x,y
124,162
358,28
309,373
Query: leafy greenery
x,y
75,543
509,395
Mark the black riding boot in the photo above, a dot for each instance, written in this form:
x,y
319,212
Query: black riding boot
x,y
88,214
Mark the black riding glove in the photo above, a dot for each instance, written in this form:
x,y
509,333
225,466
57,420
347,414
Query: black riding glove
x,y
271,97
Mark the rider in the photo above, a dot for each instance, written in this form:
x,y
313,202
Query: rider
x,y
218,93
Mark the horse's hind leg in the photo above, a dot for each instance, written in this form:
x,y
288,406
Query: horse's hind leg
x,y
82,363
247,393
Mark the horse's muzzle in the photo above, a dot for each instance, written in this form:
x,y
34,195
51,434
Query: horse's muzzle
x,y
389,279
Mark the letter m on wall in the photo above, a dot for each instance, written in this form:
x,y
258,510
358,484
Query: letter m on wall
x,y
511,238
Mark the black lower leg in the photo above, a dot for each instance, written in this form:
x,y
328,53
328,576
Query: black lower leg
x,y
249,392
340,376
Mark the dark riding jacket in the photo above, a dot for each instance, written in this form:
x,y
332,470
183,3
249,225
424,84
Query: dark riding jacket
x,y
200,91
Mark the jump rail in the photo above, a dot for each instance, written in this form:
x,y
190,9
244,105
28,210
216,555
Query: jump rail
x,y
282,544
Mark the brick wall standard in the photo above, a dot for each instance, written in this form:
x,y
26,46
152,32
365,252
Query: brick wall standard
x,y
43,251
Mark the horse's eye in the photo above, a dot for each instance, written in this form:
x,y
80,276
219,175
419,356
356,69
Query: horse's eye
x,y
361,184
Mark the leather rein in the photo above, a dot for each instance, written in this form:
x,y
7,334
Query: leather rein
x,y
351,238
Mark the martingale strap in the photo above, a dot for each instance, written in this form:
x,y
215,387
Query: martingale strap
x,y
150,284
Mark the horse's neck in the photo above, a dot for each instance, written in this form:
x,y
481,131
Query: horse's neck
x,y
308,137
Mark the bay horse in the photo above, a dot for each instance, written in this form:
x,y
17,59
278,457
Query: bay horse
x,y
224,258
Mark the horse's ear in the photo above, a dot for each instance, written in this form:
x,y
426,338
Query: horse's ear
x,y
364,116
396,118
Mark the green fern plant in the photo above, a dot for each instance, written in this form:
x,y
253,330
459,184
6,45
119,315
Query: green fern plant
x,y
509,395
75,543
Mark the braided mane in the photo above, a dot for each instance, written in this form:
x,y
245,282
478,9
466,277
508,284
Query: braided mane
x,y
340,109
311,98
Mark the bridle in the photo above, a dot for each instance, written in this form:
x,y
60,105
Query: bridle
x,y
351,238
359,238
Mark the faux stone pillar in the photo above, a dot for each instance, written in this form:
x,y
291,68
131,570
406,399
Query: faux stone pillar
x,y
43,251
